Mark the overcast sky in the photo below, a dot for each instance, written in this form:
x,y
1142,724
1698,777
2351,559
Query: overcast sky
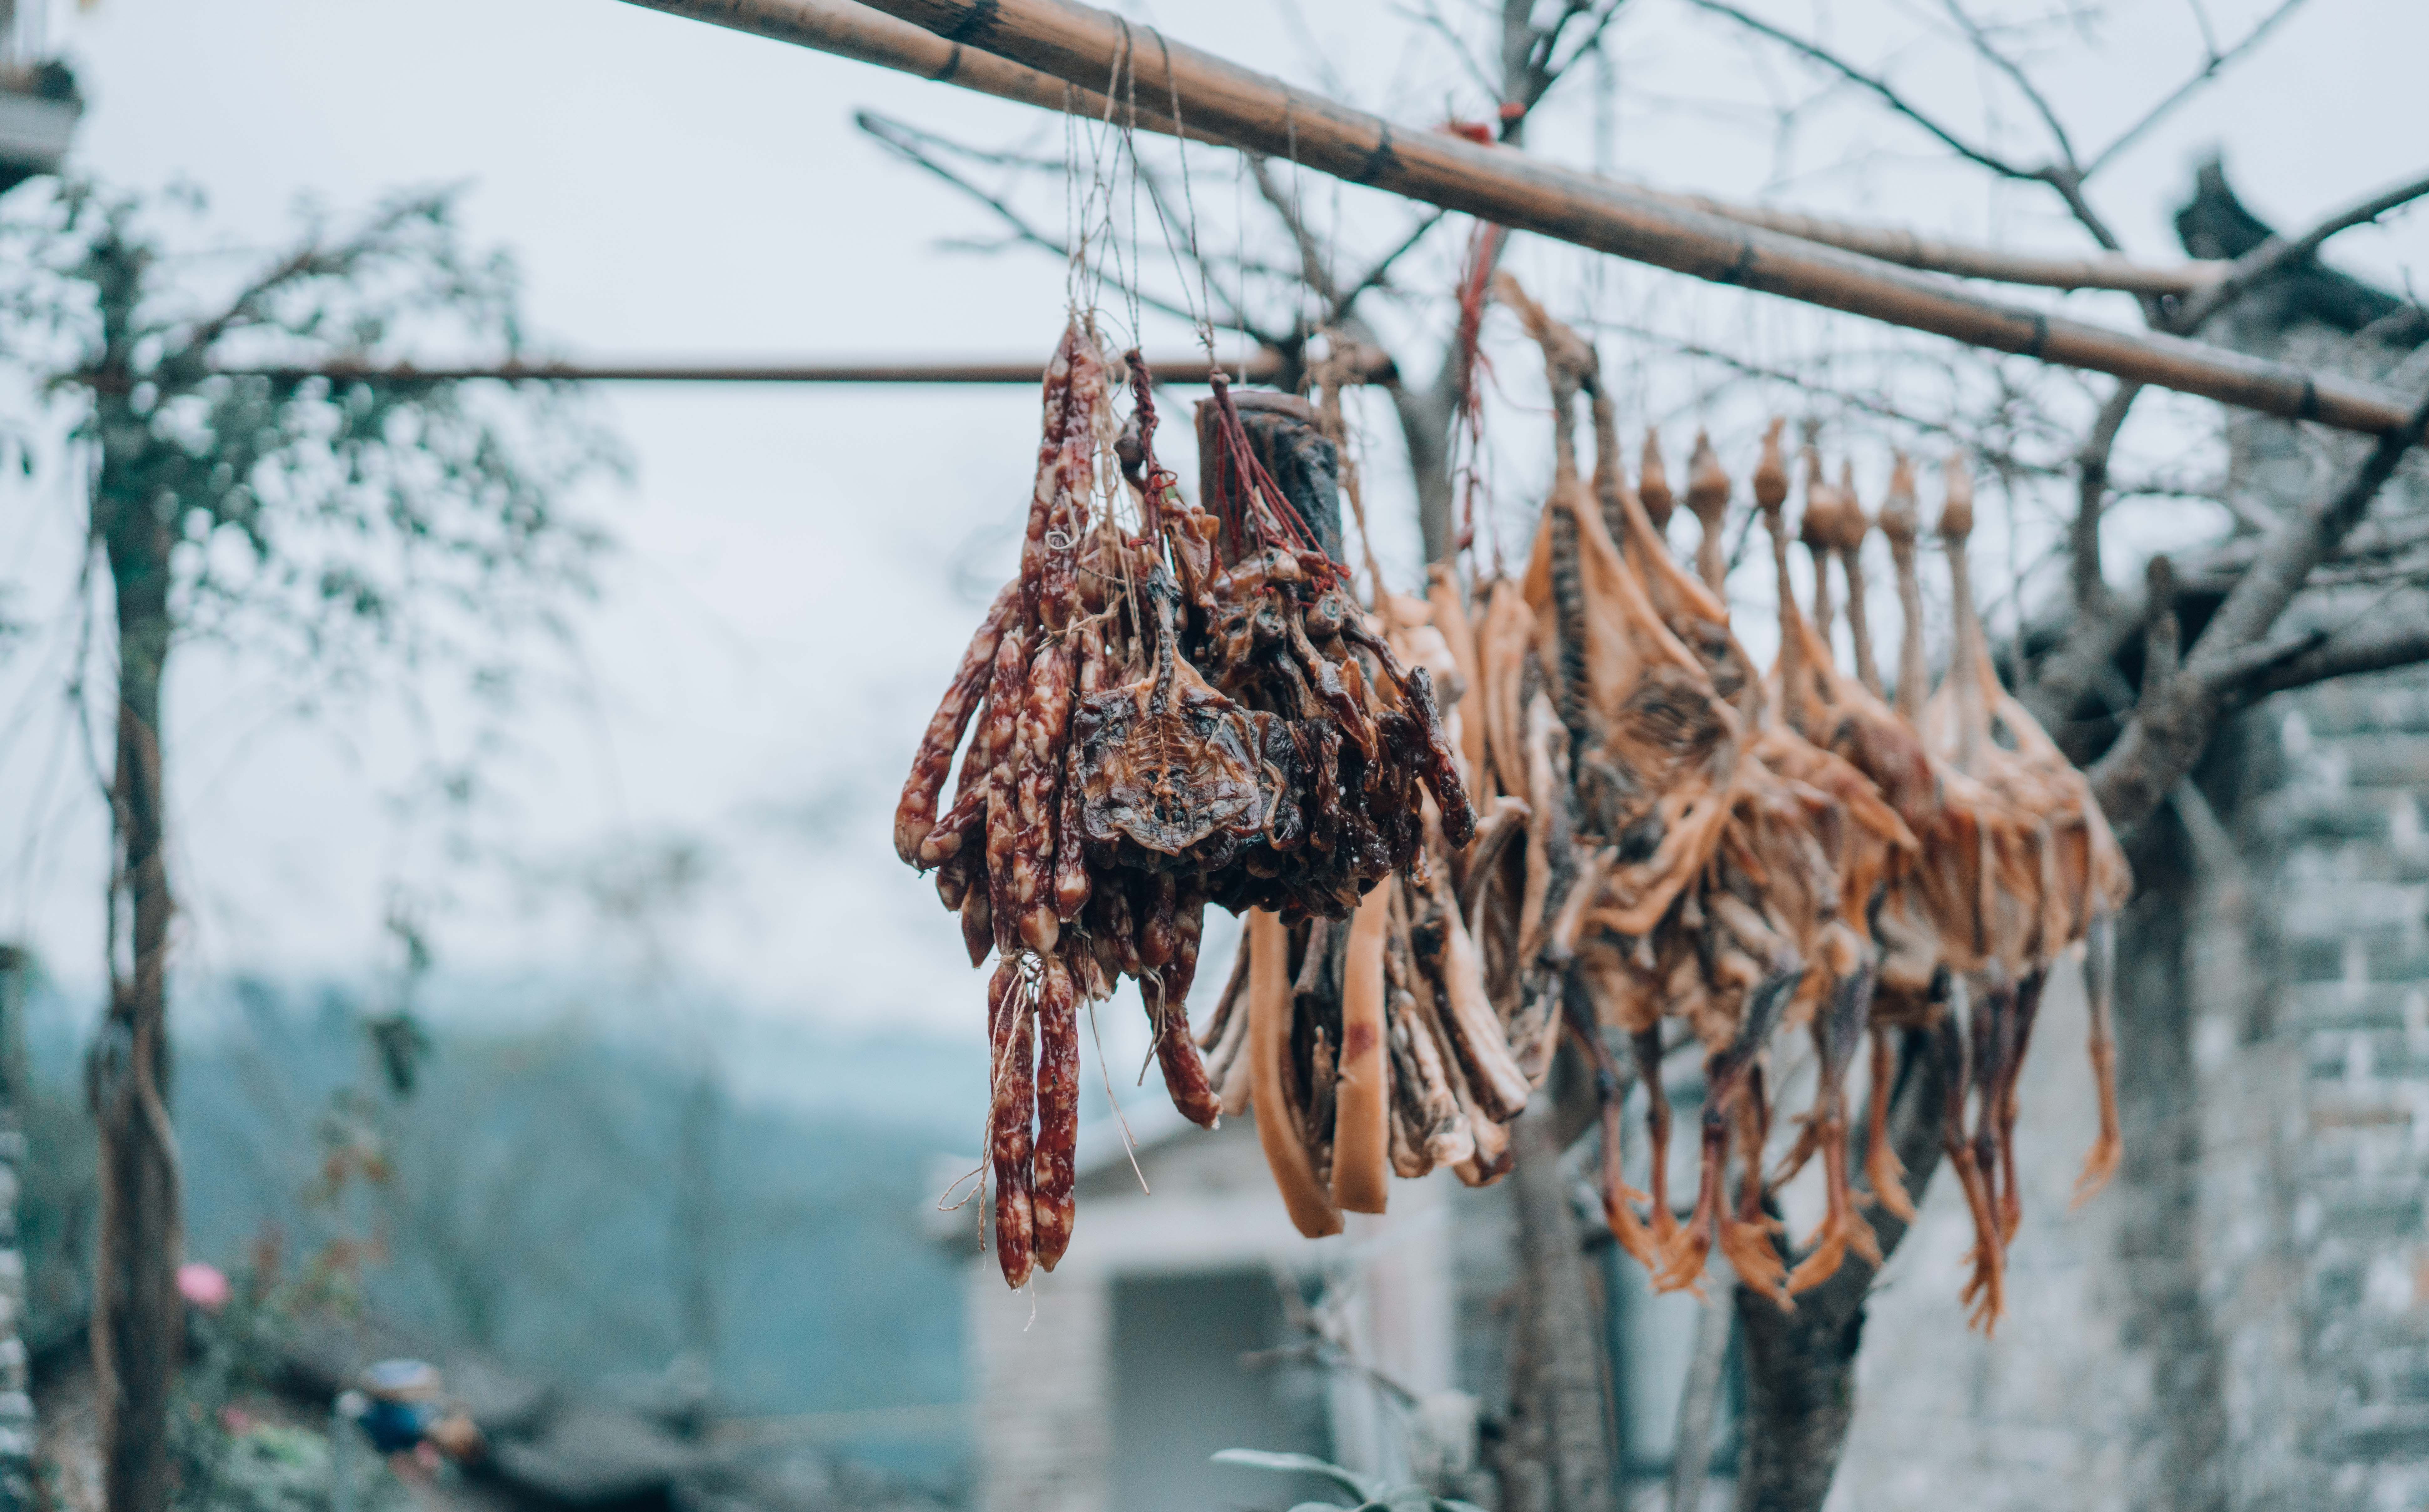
x,y
793,579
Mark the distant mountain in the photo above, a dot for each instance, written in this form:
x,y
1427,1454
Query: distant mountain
x,y
581,1188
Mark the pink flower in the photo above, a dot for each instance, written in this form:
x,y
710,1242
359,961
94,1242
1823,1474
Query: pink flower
x,y
204,1286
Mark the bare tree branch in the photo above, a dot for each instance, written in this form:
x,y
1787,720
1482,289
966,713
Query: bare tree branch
x,y
2084,574
1992,54
910,143
2274,257
1431,18
2392,640
1880,87
2184,92
2167,734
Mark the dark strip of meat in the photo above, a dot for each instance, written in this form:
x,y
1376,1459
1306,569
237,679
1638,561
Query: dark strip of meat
x,y
1158,909
1184,1070
977,925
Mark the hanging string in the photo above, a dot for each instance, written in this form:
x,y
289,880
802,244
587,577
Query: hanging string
x,y
1201,308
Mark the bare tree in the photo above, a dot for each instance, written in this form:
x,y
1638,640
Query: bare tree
x,y
328,524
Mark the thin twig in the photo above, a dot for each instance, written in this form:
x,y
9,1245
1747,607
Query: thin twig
x,y
2184,92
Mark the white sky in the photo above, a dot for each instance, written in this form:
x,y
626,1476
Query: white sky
x,y
782,613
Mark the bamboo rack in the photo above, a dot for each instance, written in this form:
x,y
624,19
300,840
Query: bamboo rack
x,y
1255,365
848,28
1087,48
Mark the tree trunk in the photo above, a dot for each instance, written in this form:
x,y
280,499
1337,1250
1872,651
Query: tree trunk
x,y
137,1323
1558,1457
1801,1365
2181,1433
1691,1454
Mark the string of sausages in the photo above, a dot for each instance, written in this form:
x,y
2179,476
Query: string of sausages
x,y
1170,706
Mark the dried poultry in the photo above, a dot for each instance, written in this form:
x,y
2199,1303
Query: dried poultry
x,y
2061,880
1754,921
1750,854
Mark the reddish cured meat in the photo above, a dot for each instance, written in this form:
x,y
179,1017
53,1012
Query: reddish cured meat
x,y
1002,816
1071,884
915,815
1176,1049
1058,1110
1037,739
1010,1010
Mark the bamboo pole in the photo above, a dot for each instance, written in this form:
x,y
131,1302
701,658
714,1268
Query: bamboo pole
x,y
1259,113
1260,366
852,30
849,29
1910,249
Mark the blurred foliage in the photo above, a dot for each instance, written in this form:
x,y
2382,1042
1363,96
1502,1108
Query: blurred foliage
x,y
1372,1493
231,1454
337,524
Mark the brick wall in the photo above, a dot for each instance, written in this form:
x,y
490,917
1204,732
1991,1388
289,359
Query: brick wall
x,y
2348,897
16,1399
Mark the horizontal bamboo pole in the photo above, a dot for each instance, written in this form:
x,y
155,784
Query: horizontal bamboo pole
x,y
1257,366
851,29
1910,249
1255,112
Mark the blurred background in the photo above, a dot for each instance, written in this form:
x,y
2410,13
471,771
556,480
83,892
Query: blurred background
x,y
586,1037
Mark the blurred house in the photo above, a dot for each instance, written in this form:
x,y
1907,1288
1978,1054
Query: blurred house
x,y
1189,1316
1197,1319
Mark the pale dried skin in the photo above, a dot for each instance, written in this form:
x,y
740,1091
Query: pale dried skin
x,y
1502,646
1308,1203
1361,1099
1505,822
1458,635
1707,500
1446,952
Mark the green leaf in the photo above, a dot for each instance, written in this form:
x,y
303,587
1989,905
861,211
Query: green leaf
x,y
1454,1504
1356,1485
1328,1507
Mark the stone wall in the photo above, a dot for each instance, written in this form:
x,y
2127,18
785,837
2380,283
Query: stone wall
x,y
16,1387
2242,1321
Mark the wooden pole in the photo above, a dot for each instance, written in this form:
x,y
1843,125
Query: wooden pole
x,y
1260,113
1259,366
849,29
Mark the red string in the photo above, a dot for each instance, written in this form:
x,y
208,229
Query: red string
x,y
1249,502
